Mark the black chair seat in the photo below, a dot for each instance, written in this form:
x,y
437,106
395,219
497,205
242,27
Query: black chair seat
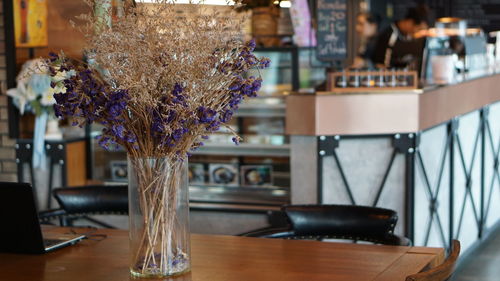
x,y
336,222
81,202
93,199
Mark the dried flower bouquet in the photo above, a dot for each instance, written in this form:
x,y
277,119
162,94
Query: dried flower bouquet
x,y
162,81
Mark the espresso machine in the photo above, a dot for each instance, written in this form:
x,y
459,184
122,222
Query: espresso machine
x,y
453,52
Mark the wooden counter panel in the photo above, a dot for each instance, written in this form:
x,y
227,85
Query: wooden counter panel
x,y
351,114
302,119
387,113
438,106
366,114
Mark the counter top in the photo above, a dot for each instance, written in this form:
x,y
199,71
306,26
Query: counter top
x,y
387,112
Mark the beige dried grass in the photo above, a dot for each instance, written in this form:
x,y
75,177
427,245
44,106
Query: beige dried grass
x,y
154,46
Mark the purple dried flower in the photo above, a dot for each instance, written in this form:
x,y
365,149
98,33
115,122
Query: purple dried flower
x,y
235,86
197,145
206,115
178,98
177,89
177,134
171,116
89,98
251,44
236,99
53,56
103,141
226,116
246,89
118,131
264,63
213,126
256,85
157,126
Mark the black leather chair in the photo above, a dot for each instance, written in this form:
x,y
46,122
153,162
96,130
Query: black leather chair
x,y
320,222
81,202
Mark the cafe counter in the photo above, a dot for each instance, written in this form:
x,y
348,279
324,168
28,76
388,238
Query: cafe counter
x,y
430,154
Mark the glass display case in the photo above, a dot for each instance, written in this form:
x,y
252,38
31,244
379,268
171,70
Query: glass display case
x,y
257,171
312,72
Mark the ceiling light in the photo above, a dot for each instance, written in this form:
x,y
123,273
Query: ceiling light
x,y
285,4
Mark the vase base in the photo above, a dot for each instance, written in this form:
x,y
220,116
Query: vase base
x,y
135,274
179,266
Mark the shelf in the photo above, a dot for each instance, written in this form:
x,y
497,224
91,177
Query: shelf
x,y
236,195
229,149
283,49
235,208
261,110
244,149
239,195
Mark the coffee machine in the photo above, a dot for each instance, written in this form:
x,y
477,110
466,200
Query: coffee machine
x,y
453,52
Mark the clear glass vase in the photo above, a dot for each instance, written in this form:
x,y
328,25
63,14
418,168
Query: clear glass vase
x,y
159,217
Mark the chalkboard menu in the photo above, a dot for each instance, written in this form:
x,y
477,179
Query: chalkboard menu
x,y
479,13
332,29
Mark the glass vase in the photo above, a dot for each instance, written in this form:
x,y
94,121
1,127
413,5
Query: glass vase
x,y
159,217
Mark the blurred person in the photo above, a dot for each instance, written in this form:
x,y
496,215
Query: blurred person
x,y
367,25
412,26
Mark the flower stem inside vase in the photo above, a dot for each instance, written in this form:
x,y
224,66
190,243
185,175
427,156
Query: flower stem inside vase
x,y
159,217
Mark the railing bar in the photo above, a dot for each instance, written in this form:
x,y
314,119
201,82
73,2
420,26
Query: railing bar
x,y
384,179
344,178
464,201
443,161
426,178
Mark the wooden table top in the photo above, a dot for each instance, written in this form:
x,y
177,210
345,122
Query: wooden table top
x,y
227,258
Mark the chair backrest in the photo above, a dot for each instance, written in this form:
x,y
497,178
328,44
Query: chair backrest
x,y
93,199
342,221
441,272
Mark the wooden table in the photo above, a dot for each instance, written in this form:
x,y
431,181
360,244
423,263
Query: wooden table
x,y
228,258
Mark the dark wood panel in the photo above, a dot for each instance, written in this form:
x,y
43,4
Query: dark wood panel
x,y
60,33
76,165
